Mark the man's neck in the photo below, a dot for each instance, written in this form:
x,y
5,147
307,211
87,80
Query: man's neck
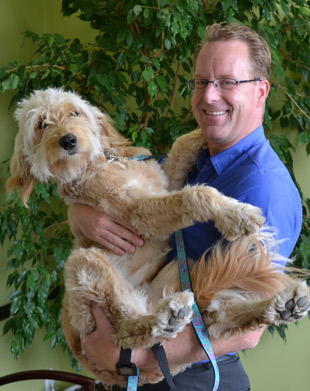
x,y
215,148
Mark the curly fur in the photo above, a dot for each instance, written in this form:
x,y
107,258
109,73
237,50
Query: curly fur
x,y
64,139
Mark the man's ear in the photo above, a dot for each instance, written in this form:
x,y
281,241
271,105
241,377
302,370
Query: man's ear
x,y
262,92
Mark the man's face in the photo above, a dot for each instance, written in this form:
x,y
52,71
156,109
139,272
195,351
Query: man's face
x,y
226,117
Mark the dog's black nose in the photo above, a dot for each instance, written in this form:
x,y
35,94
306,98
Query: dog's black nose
x,y
68,142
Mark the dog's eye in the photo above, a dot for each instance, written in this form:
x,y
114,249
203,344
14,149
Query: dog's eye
x,y
42,125
74,114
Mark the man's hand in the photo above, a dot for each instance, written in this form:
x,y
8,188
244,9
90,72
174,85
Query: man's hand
x,y
99,346
101,228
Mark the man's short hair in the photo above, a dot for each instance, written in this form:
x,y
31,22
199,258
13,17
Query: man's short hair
x,y
259,51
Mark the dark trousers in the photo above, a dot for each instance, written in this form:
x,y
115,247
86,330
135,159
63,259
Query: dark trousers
x,y
200,377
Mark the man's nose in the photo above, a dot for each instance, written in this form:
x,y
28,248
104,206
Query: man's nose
x,y
211,93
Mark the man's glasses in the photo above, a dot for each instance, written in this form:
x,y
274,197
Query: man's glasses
x,y
221,84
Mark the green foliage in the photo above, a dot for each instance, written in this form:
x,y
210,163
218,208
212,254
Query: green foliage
x,y
136,71
39,243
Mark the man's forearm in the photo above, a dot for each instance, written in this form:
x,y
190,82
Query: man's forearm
x,y
186,348
100,348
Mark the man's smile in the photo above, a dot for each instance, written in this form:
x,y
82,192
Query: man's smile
x,y
215,113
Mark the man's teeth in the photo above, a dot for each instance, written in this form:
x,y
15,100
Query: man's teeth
x,y
215,112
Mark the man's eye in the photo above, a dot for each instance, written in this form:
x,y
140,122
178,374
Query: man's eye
x,y
201,84
227,82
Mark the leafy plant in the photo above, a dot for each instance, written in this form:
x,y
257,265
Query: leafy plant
x,y
136,71
40,243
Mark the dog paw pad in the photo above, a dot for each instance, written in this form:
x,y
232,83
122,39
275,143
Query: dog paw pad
x,y
173,329
291,304
181,313
175,321
173,314
285,315
184,312
302,302
172,321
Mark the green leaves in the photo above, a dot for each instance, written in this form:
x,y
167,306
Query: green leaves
x,y
137,9
40,244
148,74
10,83
303,138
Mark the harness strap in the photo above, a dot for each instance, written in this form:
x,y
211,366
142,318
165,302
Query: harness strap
x,y
197,320
159,352
161,357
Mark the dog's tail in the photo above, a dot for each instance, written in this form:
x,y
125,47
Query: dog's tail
x,y
246,264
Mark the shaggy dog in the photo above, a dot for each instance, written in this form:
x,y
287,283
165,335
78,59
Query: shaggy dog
x,y
64,139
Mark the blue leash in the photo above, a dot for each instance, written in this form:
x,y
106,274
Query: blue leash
x,y
132,382
197,320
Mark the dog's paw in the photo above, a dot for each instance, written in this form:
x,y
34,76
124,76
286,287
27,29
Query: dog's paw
x,y
172,314
290,304
241,219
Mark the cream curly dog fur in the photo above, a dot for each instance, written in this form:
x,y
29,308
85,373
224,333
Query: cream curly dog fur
x,y
64,139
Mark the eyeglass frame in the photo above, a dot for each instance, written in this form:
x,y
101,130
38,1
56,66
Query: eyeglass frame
x,y
213,81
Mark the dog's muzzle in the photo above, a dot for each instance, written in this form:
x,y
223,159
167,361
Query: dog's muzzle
x,y
68,142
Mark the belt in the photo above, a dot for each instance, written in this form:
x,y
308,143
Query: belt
x,y
219,359
226,357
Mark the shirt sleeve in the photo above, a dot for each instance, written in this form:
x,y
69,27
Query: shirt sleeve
x,y
280,202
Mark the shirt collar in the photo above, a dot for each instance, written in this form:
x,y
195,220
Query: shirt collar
x,y
223,160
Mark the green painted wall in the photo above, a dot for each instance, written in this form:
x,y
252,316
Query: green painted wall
x,y
272,366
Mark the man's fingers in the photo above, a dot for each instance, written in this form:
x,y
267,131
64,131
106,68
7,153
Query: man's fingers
x,y
117,243
115,235
123,237
126,232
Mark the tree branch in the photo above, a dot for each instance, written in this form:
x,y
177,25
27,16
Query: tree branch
x,y
175,89
294,101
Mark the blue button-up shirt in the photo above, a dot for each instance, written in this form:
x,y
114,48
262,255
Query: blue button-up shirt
x,y
251,172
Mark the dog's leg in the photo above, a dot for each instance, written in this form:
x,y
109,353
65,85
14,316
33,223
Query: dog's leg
x,y
182,158
161,215
227,316
90,279
172,314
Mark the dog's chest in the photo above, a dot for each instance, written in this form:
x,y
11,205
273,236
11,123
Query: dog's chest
x,y
133,178
136,269
145,176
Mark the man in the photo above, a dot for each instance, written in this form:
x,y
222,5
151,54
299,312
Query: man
x,y
230,89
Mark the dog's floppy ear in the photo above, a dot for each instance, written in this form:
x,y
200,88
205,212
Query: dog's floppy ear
x,y
110,133
21,179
